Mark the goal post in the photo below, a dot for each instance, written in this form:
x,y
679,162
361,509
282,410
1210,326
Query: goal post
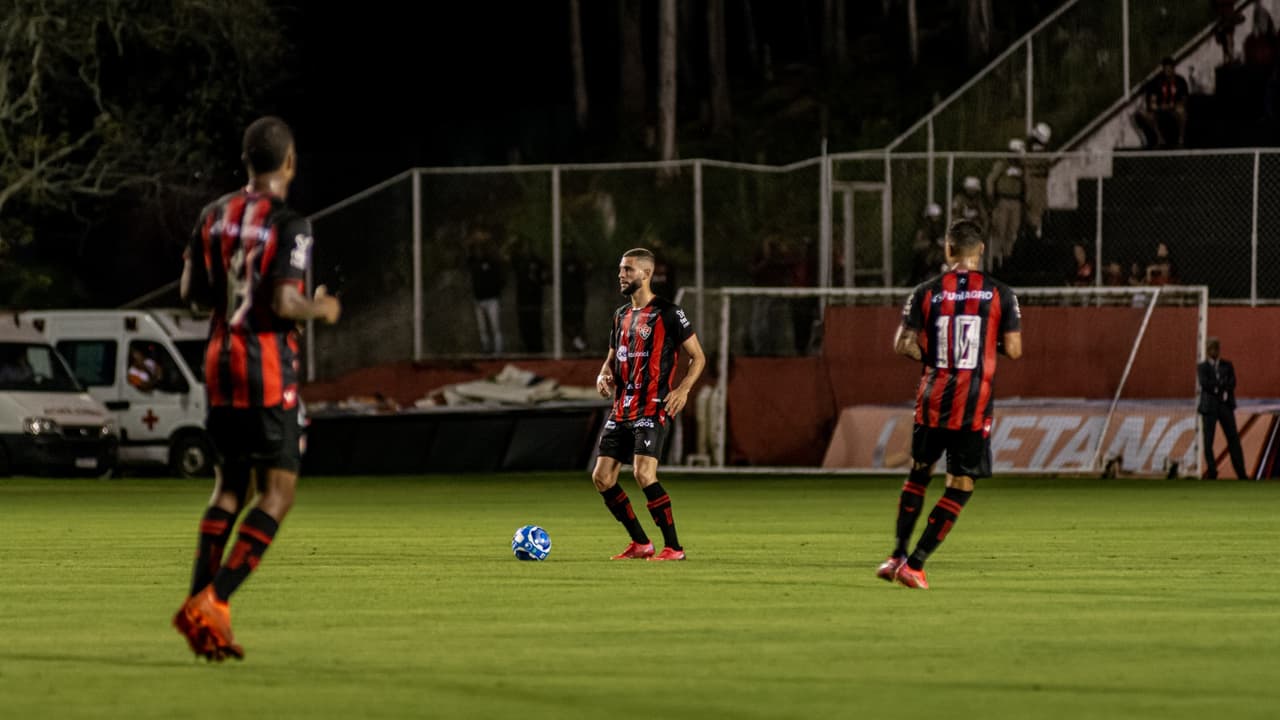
x,y
1107,381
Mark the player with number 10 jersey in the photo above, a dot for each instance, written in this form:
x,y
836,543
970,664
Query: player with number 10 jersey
x,y
954,325
960,317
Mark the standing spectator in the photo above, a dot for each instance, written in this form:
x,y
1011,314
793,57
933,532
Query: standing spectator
x,y
928,254
531,276
484,260
1113,274
805,311
1224,27
663,281
573,293
1164,100
1161,270
1007,187
770,268
1037,168
969,204
1082,273
1217,380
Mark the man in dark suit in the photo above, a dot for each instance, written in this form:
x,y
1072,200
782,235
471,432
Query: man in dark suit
x,y
1217,380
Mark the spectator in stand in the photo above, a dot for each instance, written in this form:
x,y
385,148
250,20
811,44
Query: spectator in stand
x,y
928,253
1113,275
1224,27
770,268
1082,272
531,276
484,260
1260,45
1164,100
804,311
663,282
1037,168
1007,188
573,293
969,204
1161,270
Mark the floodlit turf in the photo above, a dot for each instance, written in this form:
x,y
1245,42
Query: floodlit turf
x,y
399,597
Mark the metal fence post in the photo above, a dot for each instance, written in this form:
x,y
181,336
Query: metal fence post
x,y
699,262
929,162
824,219
557,342
1030,87
1124,29
417,265
1097,230
946,196
1253,242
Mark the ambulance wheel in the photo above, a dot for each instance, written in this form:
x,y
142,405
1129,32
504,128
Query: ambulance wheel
x,y
190,456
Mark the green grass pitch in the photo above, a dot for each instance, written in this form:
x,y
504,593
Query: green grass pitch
x,y
399,597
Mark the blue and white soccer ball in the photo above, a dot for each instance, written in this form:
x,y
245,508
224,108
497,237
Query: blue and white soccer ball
x,y
531,543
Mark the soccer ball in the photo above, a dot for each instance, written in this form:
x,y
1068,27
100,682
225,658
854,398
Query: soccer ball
x,y
531,543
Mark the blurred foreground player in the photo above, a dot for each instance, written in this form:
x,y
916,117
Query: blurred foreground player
x,y
247,260
644,352
954,325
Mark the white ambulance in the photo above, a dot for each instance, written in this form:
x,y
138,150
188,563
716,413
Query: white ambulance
x,y
49,425
147,367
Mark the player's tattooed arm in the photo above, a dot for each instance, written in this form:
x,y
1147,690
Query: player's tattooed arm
x,y
907,343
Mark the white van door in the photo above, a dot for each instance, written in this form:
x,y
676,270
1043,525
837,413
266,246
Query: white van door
x,y
153,393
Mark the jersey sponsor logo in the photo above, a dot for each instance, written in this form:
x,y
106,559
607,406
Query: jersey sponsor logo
x,y
961,296
645,331
622,353
233,230
301,252
684,321
644,423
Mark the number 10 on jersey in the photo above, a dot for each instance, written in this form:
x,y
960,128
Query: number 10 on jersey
x,y
962,348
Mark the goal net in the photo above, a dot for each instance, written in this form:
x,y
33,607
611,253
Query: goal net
x,y
1106,384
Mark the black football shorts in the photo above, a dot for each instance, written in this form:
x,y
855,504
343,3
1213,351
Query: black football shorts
x,y
623,439
968,451
257,437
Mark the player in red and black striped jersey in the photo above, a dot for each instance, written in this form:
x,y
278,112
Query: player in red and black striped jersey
x,y
954,324
640,371
247,259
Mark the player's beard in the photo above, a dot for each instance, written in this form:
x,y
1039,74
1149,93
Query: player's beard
x,y
631,287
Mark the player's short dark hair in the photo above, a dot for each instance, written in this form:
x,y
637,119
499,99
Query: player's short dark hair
x,y
640,253
266,143
966,236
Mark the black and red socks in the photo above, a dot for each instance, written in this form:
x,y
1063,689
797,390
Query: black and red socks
x,y
215,529
909,504
941,520
660,508
615,498
256,533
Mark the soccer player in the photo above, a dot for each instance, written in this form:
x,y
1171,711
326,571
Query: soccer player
x,y
247,259
644,351
954,324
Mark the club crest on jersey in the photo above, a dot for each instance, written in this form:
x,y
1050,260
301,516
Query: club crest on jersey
x,y
301,251
645,331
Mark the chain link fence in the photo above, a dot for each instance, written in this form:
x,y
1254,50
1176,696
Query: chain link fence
x,y
522,262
